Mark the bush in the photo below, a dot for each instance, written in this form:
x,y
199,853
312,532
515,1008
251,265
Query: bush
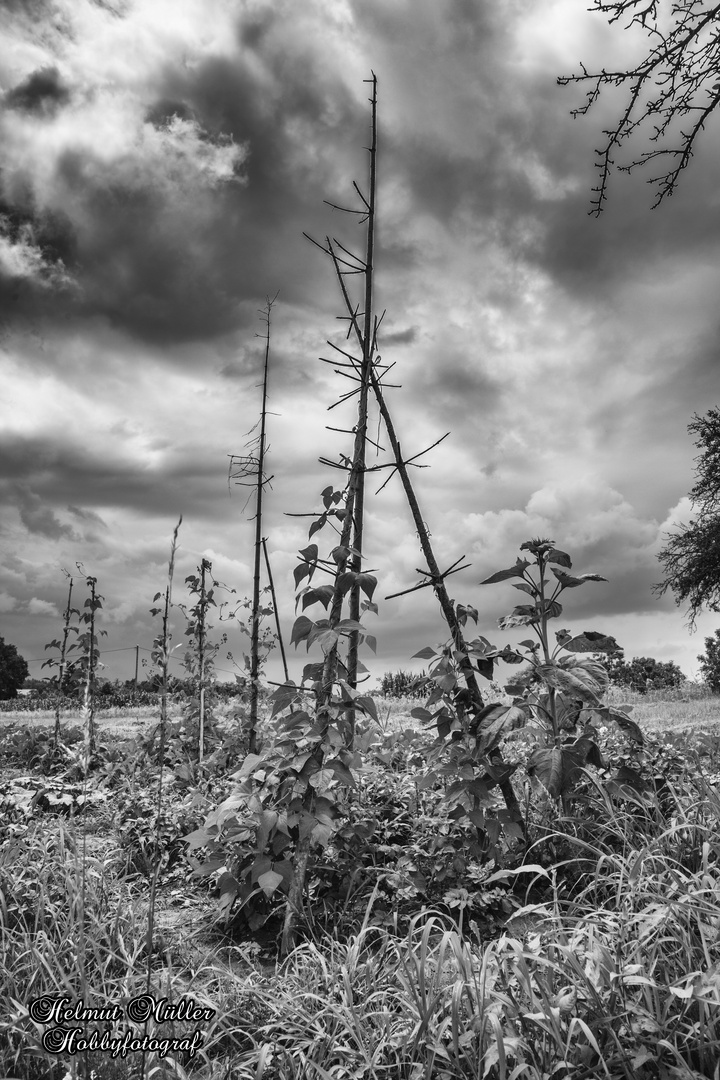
x,y
643,673
710,662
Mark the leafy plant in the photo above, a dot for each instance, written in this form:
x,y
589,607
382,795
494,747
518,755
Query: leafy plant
x,y
88,661
560,692
201,652
557,698
67,666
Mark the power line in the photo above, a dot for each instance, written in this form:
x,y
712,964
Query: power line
x,y
132,648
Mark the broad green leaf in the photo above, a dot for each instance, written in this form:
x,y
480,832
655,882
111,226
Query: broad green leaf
x,y
283,696
503,575
561,557
367,704
368,584
579,683
591,641
345,581
424,654
494,721
322,835
299,762
295,720
341,772
546,763
371,642
301,571
480,646
465,612
326,639
200,837
509,656
317,525
524,587
593,668
248,766
589,751
312,672
323,593
340,554
301,628
631,729
321,779
421,714
310,553
552,609
268,821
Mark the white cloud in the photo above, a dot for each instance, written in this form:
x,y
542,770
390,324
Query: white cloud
x,y
7,602
41,607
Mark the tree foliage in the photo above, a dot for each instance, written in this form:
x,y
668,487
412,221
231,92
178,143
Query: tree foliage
x,y
670,92
643,673
13,670
691,556
710,662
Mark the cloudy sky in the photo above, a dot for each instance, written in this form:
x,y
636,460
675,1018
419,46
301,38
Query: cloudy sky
x,y
160,162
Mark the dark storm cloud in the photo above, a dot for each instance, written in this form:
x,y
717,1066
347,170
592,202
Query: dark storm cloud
x,y
42,473
169,261
400,337
37,517
43,92
87,516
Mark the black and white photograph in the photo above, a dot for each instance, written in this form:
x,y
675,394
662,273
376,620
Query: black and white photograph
x,y
359,539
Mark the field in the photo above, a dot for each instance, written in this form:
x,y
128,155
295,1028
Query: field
x,y
594,950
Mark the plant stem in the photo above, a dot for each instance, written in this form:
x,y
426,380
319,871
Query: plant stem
x,y
275,609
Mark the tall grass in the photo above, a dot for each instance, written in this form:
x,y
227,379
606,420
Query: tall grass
x,y
45,925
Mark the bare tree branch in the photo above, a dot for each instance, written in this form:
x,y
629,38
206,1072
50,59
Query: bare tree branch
x,y
677,80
